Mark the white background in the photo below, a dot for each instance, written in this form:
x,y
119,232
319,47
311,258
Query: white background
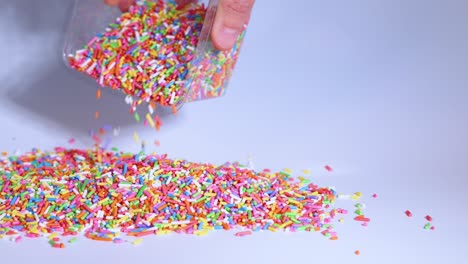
x,y
377,89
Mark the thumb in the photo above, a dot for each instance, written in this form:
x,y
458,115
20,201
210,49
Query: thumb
x,y
124,5
229,22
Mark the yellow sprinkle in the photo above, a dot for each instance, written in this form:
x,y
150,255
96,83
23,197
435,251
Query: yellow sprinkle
x,y
283,226
201,232
288,170
150,120
136,137
341,220
52,236
137,242
356,196
103,201
307,172
272,229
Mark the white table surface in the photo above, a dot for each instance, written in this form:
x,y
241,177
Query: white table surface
x,y
377,89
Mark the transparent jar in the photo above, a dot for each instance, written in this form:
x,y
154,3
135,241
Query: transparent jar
x,y
206,75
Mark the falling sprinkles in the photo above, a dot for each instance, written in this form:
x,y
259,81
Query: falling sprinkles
x,y
112,196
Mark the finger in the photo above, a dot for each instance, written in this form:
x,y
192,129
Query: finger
x,y
111,2
124,5
230,19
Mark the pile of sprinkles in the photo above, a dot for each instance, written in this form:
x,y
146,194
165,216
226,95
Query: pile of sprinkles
x,y
120,197
150,53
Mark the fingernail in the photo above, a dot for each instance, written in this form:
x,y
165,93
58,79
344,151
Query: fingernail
x,y
226,38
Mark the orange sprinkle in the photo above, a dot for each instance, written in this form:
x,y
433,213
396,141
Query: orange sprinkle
x,y
153,105
357,252
98,94
96,115
4,153
101,238
157,143
174,109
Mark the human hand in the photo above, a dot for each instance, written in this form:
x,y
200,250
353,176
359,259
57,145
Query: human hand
x,y
229,21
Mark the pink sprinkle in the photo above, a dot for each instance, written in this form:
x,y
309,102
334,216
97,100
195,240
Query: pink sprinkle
x,y
18,239
118,241
428,218
71,141
374,195
328,168
432,227
244,233
408,213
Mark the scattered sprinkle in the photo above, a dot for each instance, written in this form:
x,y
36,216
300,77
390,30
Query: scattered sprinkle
x,y
137,242
244,233
408,213
328,168
428,218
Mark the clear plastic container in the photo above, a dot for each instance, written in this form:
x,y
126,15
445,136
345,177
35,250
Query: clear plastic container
x,y
208,72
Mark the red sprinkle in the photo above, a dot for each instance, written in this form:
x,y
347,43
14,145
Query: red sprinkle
x,y
428,218
362,218
328,168
432,227
374,195
58,245
408,213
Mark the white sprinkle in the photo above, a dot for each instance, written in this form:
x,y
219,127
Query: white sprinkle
x,y
169,180
111,66
88,60
81,51
101,79
139,68
137,36
150,110
186,222
172,98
